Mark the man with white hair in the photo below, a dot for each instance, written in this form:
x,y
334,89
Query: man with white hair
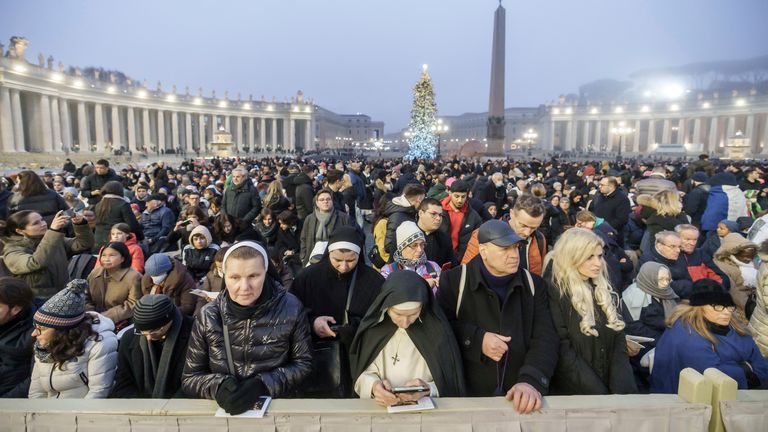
x,y
241,199
667,251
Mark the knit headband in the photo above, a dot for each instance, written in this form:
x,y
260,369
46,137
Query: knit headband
x,y
250,244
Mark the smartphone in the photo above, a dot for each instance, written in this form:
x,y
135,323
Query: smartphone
x,y
70,213
410,389
186,222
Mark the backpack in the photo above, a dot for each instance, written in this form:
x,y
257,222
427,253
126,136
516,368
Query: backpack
x,y
80,266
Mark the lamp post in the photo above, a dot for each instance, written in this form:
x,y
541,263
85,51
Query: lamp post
x,y
622,130
439,129
530,136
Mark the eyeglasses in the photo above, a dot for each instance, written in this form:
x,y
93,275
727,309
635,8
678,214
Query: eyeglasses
x,y
671,246
417,246
721,308
154,332
434,215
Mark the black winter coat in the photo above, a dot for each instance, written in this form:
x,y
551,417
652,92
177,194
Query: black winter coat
x,y
95,182
309,229
439,248
242,201
129,378
588,364
274,345
695,202
305,195
614,208
524,316
119,212
16,356
47,204
396,215
198,261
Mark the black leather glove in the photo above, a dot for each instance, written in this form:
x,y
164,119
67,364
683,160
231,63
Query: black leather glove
x,y
245,396
224,393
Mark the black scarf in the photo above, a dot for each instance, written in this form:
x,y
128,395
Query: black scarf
x,y
156,370
431,333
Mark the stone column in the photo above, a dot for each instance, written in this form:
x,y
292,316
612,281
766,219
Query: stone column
x,y
131,129
82,128
697,130
56,125
201,133
239,134
6,122
609,138
714,145
66,125
274,133
160,131
750,132
569,136
550,145
681,131
764,141
251,135
146,131
227,126
585,135
731,131
598,135
665,133
308,141
18,125
175,131
651,135
45,124
291,135
117,140
262,133
188,133
636,138
98,120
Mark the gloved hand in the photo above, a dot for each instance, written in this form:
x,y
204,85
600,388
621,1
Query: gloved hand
x,y
244,396
224,393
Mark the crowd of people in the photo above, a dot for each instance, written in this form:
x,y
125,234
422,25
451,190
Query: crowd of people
x,y
232,279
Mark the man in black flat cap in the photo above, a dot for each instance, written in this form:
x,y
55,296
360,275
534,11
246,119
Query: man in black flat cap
x,y
151,358
500,316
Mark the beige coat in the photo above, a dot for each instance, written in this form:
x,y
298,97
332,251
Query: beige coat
x,y
732,244
115,294
758,324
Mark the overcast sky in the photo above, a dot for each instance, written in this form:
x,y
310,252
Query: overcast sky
x,y
366,55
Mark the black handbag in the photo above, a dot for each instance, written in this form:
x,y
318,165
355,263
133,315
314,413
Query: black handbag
x,y
330,377
375,257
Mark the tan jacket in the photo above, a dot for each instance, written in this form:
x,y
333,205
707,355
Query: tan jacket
x,y
732,244
113,295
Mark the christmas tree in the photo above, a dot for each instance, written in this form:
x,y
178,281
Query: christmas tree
x,y
422,140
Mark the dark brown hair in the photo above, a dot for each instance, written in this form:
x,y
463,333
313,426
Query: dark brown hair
x,y
68,344
530,204
18,220
30,184
413,189
16,292
112,187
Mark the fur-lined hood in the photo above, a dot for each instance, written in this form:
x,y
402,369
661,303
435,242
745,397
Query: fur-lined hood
x,y
732,244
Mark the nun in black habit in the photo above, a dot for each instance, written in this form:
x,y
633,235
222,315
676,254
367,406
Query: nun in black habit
x,y
336,292
405,340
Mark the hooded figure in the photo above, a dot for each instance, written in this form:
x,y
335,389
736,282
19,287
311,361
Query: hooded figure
x,y
734,258
650,301
425,349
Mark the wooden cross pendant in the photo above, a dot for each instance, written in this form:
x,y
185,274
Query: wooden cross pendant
x,y
395,359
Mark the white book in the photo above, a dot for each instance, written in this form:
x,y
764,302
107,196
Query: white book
x,y
423,404
210,295
258,411
640,339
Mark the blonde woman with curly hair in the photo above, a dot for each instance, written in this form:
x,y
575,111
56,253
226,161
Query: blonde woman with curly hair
x,y
662,211
593,348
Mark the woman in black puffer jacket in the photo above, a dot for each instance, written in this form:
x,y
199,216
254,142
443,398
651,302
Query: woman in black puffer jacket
x,y
268,334
33,194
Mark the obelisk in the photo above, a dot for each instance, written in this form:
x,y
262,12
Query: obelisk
x,y
496,121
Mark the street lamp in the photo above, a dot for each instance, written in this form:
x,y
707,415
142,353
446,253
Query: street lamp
x,y
622,130
530,136
439,129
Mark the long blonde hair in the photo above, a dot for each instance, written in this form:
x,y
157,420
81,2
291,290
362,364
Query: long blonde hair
x,y
693,317
668,202
274,191
572,249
